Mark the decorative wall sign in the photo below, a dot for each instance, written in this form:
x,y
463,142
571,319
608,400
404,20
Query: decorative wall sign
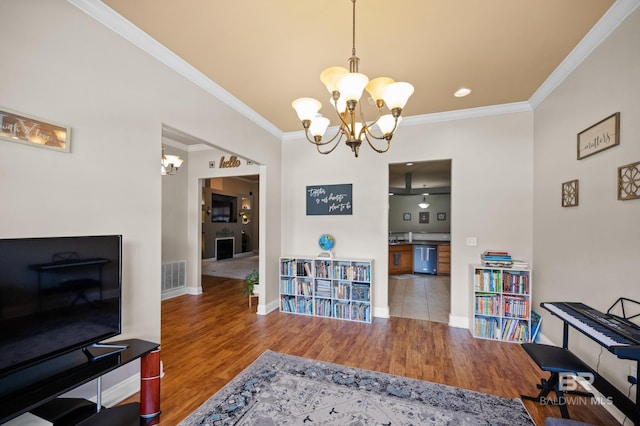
x,y
629,181
570,193
406,216
602,135
442,216
20,128
424,217
329,200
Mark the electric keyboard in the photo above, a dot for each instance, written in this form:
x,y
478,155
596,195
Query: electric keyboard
x,y
619,336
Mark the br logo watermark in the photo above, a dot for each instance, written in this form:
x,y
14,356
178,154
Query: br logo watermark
x,y
571,384
570,381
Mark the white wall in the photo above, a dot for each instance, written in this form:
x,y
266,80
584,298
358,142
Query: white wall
x,y
64,66
174,210
491,196
589,253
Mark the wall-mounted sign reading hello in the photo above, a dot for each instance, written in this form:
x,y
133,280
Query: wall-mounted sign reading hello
x,y
233,161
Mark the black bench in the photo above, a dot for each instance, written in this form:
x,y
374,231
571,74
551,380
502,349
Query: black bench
x,y
557,361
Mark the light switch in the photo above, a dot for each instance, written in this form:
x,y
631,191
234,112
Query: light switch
x,y
472,241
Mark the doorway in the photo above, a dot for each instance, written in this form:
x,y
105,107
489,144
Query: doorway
x,y
420,240
230,226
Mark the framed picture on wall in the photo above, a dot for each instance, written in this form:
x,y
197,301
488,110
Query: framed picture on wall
x,y
603,135
406,216
570,193
24,129
424,217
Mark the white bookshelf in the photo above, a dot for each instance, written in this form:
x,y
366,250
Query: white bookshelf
x,y
501,303
323,287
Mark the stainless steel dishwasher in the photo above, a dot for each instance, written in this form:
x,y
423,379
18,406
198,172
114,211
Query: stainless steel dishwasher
x,y
425,259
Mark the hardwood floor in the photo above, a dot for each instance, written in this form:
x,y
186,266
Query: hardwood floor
x,y
210,338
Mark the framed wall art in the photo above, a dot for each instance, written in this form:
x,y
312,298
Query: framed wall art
x,y
603,135
423,217
21,128
570,193
629,181
406,216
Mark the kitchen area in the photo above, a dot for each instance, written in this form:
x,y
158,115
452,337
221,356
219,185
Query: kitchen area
x,y
420,240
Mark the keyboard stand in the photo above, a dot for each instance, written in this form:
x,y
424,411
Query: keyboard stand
x,y
557,361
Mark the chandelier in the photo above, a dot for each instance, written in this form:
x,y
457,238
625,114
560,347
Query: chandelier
x,y
346,87
170,164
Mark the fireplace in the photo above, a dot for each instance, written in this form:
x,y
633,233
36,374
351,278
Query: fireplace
x,y
225,247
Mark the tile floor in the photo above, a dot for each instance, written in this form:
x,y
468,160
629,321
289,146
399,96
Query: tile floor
x,y
426,297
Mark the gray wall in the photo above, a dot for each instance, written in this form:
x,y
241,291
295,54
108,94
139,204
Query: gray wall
x,y
400,204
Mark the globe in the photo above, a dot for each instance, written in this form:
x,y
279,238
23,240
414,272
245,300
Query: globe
x,y
327,242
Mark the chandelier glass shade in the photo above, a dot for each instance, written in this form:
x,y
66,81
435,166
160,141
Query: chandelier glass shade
x,y
170,164
346,87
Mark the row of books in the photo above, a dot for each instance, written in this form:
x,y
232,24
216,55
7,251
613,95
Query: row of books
x,y
501,281
326,308
515,330
515,282
487,327
487,304
511,330
302,305
361,292
352,272
324,289
516,306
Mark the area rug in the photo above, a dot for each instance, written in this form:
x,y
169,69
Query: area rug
x,y
279,389
237,267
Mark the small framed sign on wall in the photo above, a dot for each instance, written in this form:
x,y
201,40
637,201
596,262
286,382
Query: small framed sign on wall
x,y
603,135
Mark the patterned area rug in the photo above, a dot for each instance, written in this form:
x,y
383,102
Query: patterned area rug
x,y
280,389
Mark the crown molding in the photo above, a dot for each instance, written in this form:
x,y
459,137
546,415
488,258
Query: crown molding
x,y
460,114
124,28
118,24
616,14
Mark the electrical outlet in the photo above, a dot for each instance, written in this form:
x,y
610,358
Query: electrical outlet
x,y
472,241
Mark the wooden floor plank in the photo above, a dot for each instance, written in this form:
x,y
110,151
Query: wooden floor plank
x,y
208,339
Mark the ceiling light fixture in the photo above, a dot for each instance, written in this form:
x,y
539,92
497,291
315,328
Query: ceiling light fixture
x,y
170,164
424,204
462,92
346,88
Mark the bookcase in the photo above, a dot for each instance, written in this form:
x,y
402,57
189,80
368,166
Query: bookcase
x,y
332,288
502,303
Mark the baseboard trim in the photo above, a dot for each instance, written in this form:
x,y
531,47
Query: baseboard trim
x,y
169,294
458,321
381,312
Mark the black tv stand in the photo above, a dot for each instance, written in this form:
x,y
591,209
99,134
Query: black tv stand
x,y
36,389
103,349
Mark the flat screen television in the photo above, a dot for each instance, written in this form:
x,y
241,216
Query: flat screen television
x,y
224,208
57,295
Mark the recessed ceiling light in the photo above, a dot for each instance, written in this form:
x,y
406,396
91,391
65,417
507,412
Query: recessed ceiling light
x,y
409,164
462,92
